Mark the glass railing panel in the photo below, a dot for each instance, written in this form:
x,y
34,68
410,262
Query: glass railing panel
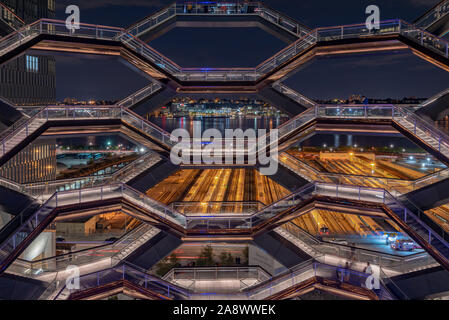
x,y
424,38
48,188
283,204
355,31
10,17
154,206
216,207
139,95
292,94
286,54
85,30
83,257
439,140
217,222
433,15
26,228
145,126
308,270
284,281
18,37
152,21
355,111
296,122
217,8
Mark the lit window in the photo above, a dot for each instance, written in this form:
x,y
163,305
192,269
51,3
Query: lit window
x,y
32,64
51,5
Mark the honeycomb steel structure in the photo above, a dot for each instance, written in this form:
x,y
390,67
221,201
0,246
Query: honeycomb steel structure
x,y
310,263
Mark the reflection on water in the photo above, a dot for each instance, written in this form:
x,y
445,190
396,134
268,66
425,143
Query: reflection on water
x,y
170,124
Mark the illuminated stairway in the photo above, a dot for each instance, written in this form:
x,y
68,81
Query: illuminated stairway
x,y
436,19
17,238
302,276
156,287
420,38
9,20
214,9
83,113
335,254
297,275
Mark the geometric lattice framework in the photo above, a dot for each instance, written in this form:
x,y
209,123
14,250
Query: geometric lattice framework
x,y
329,220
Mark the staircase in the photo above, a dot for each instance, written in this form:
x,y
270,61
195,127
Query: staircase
x,y
18,136
145,233
300,244
432,138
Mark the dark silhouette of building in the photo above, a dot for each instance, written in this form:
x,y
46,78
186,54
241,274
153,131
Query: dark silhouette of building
x,y
29,79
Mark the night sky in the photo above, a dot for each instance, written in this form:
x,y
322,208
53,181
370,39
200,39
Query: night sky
x,y
376,76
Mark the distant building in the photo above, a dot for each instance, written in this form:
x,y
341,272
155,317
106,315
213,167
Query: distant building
x,y
35,163
31,10
29,79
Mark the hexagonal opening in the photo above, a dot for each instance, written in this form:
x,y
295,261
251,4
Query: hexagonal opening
x,y
392,157
63,156
38,78
382,78
219,112
220,47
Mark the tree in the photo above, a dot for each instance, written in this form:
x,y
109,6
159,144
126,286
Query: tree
x,y
167,264
173,260
206,256
245,253
226,259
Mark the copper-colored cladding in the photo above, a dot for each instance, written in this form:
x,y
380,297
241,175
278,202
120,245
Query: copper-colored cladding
x,y
373,46
142,65
217,89
82,130
351,209
319,283
429,59
77,214
77,47
357,128
112,288
88,48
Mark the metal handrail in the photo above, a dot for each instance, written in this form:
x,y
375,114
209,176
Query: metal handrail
x,y
311,38
398,261
6,14
437,12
